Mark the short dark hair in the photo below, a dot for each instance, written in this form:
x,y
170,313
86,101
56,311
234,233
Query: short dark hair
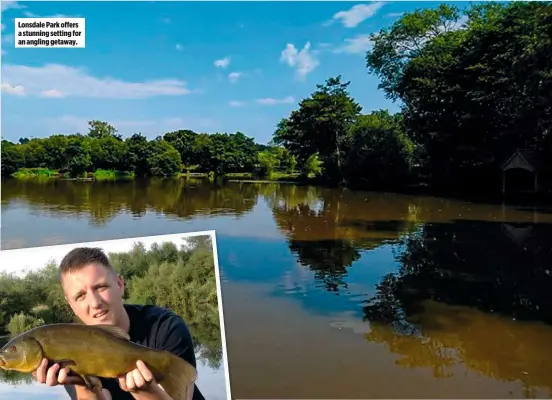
x,y
82,256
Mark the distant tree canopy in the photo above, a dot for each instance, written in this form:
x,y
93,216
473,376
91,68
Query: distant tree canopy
x,y
328,135
102,148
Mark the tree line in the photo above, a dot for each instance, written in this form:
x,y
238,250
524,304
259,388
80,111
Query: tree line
x,y
102,150
474,86
471,94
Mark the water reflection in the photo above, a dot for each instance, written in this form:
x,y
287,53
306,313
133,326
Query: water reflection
x,y
495,267
445,337
444,285
101,201
459,289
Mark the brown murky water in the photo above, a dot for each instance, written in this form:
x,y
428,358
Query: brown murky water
x,y
340,294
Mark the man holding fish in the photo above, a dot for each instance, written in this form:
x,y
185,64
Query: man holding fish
x,y
133,353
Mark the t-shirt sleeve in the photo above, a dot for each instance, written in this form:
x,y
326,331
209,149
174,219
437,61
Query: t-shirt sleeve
x,y
174,336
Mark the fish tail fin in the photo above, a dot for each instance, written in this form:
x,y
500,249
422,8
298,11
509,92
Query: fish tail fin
x,y
177,378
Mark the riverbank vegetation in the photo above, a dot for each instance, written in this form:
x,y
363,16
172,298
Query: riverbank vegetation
x,y
474,85
180,279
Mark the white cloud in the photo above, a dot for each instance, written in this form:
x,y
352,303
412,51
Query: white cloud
x,y
15,5
355,45
234,76
236,103
269,101
3,27
462,21
76,82
8,39
358,13
7,5
52,93
222,63
179,47
304,61
17,90
396,14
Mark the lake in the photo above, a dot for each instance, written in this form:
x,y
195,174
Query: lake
x,y
335,293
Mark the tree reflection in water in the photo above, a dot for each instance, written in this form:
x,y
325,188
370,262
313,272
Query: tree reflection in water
x,y
472,293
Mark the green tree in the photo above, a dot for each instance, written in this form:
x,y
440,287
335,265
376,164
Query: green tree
x,y
268,162
138,152
321,125
380,153
471,94
56,148
12,158
184,141
78,154
20,323
313,166
100,129
108,152
164,159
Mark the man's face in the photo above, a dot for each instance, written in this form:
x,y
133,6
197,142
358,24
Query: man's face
x,y
95,294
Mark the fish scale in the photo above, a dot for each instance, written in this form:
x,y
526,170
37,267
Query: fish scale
x,y
95,351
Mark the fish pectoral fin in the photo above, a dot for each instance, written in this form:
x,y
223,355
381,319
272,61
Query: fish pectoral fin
x,y
114,330
66,363
93,383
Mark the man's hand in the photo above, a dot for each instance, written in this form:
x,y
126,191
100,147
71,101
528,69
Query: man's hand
x,y
141,384
55,376
50,376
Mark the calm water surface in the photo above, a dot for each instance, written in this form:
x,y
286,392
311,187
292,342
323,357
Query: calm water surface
x,y
339,294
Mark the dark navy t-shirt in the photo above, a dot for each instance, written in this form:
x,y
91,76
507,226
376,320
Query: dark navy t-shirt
x,y
158,328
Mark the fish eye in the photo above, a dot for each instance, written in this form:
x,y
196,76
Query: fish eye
x,y
13,348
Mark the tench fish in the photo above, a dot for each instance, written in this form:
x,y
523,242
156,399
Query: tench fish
x,y
93,351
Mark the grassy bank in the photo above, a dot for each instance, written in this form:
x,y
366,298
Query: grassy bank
x,y
100,174
108,174
104,174
26,173
273,177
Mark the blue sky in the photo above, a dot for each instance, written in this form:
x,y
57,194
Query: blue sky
x,y
153,67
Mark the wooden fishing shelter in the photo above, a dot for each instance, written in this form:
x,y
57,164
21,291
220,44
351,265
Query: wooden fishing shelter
x,y
523,164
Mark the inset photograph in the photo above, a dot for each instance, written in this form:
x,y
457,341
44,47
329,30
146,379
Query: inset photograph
x,y
119,319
